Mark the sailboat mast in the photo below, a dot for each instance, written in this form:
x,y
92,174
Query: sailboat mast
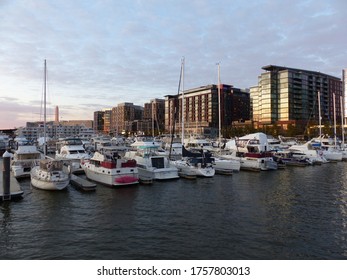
x,y
219,110
334,119
320,119
44,108
183,109
342,123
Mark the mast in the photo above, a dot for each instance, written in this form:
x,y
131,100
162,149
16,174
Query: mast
x,y
176,109
219,110
334,119
342,123
320,119
44,108
182,70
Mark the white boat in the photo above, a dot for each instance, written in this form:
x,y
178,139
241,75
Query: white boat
x,y
50,175
150,164
72,149
24,158
252,151
111,169
310,153
326,146
4,142
199,164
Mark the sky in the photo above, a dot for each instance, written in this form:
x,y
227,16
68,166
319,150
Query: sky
x,y
101,53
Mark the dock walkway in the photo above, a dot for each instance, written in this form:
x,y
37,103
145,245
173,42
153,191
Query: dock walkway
x,y
82,184
15,189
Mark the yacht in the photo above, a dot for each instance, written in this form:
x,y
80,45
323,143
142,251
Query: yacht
x,y
252,151
24,158
72,150
111,169
150,164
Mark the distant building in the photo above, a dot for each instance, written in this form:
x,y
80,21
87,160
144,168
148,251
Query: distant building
x,y
154,111
201,109
99,121
56,115
123,116
286,96
107,121
34,130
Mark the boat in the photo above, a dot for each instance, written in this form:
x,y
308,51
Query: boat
x,y
150,164
50,174
313,155
72,150
4,142
252,151
199,164
289,158
24,158
111,169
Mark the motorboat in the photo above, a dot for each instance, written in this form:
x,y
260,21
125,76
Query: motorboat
x,y
111,169
252,151
24,158
72,150
150,164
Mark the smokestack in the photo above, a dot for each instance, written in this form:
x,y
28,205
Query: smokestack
x,y
56,114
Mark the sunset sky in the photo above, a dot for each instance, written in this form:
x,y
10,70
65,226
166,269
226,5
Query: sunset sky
x,y
101,53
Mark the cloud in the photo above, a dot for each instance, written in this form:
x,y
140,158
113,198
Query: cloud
x,y
105,52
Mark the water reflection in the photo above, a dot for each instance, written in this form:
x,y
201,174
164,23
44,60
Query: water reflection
x,y
297,213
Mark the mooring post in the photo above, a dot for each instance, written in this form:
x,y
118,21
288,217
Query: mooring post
x,y
6,175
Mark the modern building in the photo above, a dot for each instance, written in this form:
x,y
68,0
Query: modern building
x,y
286,96
107,121
202,109
98,125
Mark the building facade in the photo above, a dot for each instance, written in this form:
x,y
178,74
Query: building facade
x,y
154,111
286,96
98,124
123,116
202,108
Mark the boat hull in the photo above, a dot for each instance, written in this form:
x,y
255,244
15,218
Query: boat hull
x,y
110,177
46,180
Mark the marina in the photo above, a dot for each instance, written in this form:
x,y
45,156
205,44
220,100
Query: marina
x,y
292,213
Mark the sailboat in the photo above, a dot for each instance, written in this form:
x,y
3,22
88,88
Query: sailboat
x,y
222,165
192,164
50,174
329,151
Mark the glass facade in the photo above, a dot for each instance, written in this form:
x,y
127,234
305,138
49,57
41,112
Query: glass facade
x,y
288,95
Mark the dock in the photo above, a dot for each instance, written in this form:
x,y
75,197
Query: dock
x,y
82,183
16,191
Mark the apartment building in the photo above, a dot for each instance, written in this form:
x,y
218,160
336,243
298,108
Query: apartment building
x,y
123,116
202,109
286,96
154,111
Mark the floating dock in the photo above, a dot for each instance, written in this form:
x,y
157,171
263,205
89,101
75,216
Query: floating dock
x,y
16,191
82,184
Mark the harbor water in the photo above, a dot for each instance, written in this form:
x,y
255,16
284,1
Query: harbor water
x,y
293,214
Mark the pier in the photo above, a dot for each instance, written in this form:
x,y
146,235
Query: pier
x,y
82,184
10,188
